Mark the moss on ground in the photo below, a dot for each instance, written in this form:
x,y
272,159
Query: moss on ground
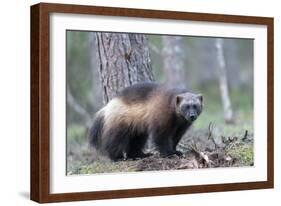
x,y
243,153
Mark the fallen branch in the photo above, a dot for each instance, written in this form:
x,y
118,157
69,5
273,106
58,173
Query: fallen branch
x,y
206,161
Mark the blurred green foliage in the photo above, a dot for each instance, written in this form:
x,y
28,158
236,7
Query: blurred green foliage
x,y
76,133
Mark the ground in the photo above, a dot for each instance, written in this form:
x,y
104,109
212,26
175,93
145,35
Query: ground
x,y
201,148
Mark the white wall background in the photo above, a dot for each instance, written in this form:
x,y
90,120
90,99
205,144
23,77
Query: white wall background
x,y
15,100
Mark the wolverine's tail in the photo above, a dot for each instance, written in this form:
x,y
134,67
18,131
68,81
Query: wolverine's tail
x,y
95,132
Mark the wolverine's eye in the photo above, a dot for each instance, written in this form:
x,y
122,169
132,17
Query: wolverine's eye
x,y
193,106
187,107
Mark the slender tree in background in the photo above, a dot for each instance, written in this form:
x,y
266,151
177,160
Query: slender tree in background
x,y
96,93
232,63
228,113
123,60
173,60
74,104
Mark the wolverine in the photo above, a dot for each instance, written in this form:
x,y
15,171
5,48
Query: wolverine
x,y
140,112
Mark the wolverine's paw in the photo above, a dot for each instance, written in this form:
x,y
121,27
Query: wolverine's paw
x,y
139,155
178,153
144,155
171,154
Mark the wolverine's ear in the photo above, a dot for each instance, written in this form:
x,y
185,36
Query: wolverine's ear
x,y
178,99
200,97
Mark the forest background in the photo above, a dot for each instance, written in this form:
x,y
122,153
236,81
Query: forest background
x,y
220,69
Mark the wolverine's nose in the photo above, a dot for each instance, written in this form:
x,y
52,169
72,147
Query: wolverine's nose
x,y
192,117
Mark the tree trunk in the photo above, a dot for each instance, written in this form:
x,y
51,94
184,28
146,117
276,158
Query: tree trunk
x,y
123,60
71,101
96,93
228,113
232,62
173,59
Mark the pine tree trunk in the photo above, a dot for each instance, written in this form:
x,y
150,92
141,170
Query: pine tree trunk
x,y
173,58
123,60
223,83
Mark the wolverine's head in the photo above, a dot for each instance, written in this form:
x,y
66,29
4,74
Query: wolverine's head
x,y
189,105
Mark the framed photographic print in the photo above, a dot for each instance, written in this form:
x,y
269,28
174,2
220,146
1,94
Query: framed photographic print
x,y
131,102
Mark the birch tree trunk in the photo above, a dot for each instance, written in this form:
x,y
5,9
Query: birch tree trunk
x,y
173,60
224,91
123,60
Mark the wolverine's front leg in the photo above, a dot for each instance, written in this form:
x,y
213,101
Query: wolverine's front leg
x,y
164,146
